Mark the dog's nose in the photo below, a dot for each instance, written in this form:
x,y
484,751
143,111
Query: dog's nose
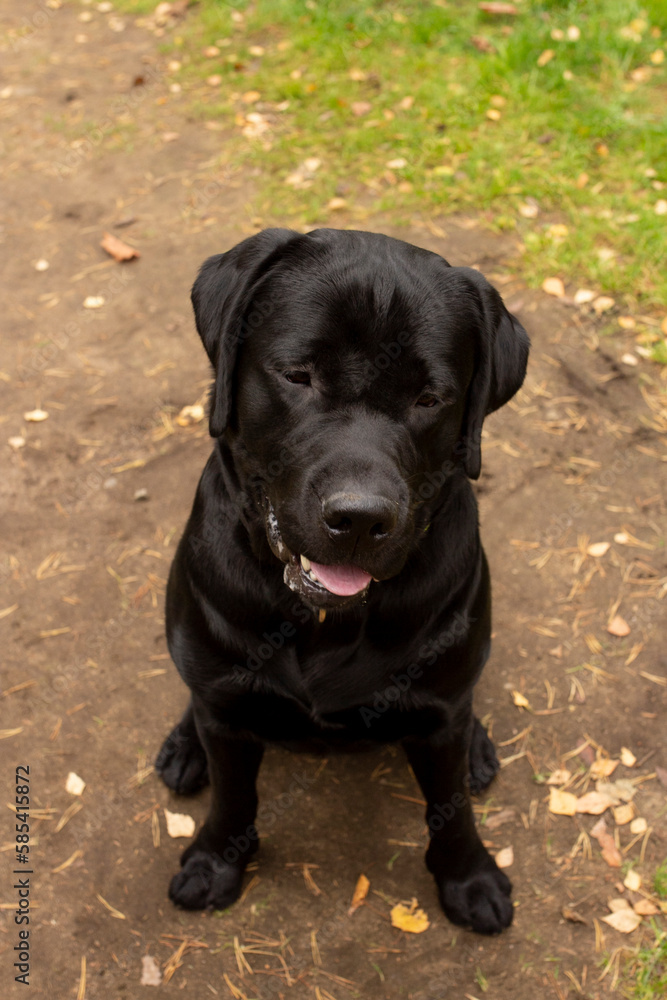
x,y
367,516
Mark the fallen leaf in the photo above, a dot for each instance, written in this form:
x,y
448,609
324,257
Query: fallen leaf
x,y
498,7
178,824
150,972
520,700
545,57
41,265
559,777
573,916
553,286
628,759
598,549
408,917
74,784
359,894
493,114
610,852
645,908
397,164
35,416
16,442
562,803
583,296
638,825
505,857
595,803
625,920
622,789
483,44
93,302
528,210
630,359
603,767
336,204
618,904
117,248
190,415
618,626
360,108
603,303
623,814
632,880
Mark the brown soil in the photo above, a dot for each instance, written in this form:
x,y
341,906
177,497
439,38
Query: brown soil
x,y
576,458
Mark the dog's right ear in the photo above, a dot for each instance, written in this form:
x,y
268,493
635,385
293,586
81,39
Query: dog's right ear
x,y
220,298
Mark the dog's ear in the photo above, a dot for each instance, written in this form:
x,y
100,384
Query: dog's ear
x,y
220,298
500,367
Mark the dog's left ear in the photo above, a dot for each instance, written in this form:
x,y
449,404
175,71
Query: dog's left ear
x,y
220,298
501,359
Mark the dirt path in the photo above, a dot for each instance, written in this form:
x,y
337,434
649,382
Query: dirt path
x,y
94,140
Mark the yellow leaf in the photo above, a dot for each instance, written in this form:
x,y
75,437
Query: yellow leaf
x,y
553,286
520,700
408,917
360,893
545,57
618,626
562,803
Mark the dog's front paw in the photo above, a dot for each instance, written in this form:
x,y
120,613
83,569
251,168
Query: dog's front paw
x,y
206,882
181,762
480,901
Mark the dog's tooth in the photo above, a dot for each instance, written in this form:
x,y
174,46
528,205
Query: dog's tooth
x,y
305,563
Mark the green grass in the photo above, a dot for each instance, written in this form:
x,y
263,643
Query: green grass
x,y
582,138
646,973
660,880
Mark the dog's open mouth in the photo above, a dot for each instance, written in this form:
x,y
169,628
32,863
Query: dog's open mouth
x,y
321,586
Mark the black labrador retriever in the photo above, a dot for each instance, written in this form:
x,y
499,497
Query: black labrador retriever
x,y
331,589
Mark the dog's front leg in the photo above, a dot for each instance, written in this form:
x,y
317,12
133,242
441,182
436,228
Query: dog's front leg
x,y
213,865
472,889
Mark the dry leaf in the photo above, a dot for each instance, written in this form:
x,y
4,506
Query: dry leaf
x,y
632,880
610,852
618,626
35,416
482,44
645,908
178,824
336,204
74,784
41,265
562,803
553,286
618,904
583,295
520,700
602,767
598,549
93,302
638,825
190,415
505,857
117,249
398,163
497,819
622,789
628,759
497,7
545,57
408,917
573,916
559,777
625,921
150,972
595,803
623,814
360,108
359,895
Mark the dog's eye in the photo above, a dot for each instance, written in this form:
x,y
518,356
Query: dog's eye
x,y
427,399
298,377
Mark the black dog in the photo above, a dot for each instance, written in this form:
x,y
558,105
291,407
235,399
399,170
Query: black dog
x,y
331,587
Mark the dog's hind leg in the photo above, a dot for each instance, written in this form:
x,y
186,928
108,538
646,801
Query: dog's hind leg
x,y
482,759
181,762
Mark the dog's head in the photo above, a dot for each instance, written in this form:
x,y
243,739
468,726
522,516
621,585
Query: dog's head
x,y
353,373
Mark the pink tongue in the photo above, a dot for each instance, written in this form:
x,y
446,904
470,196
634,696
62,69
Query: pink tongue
x,y
342,580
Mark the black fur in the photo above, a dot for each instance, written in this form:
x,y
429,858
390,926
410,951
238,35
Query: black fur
x,y
353,373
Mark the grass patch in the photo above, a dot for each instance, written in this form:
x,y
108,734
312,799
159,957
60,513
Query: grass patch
x,y
555,128
646,973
